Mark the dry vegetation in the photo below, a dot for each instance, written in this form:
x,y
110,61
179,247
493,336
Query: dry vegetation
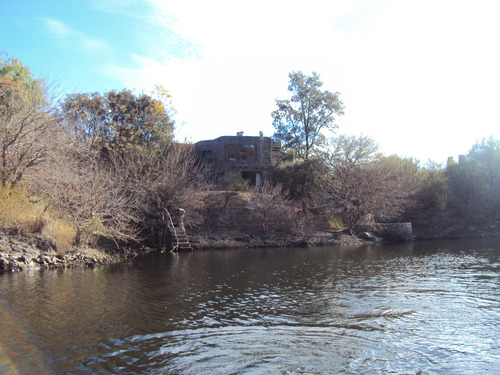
x,y
107,167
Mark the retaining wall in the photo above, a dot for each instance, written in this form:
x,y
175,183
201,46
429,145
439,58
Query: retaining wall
x,y
388,231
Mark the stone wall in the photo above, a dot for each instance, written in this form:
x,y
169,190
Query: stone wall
x,y
388,231
216,152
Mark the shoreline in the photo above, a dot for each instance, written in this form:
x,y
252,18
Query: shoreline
x,y
34,252
18,253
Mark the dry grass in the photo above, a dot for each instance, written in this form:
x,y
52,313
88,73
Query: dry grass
x,y
20,214
61,233
17,212
333,222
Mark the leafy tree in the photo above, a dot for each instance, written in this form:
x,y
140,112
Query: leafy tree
x,y
474,183
433,190
119,121
301,120
86,114
27,122
299,180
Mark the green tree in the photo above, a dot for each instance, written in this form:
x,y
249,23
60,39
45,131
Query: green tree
x,y
119,121
86,114
474,182
299,180
300,121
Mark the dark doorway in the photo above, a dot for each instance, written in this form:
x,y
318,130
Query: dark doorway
x,y
249,176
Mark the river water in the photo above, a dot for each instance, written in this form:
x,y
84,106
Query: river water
x,y
416,308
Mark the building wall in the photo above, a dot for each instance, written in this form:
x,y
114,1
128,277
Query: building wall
x,y
248,156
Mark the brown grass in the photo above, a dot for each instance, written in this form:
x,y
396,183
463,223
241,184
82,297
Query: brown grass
x,y
20,214
17,212
61,233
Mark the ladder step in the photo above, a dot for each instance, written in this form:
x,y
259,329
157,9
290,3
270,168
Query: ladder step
x,y
181,240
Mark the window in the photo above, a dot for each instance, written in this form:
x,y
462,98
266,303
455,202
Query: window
x,y
241,152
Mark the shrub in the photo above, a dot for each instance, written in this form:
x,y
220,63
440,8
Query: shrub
x,y
61,233
20,214
332,221
17,212
234,182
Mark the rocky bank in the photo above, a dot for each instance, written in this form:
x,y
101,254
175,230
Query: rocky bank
x,y
35,252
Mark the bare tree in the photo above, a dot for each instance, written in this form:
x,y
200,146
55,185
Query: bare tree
x,y
368,184
351,149
27,121
91,196
273,209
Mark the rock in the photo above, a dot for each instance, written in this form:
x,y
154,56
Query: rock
x,y
3,264
370,237
388,231
241,239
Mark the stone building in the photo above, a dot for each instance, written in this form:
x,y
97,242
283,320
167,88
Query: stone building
x,y
247,156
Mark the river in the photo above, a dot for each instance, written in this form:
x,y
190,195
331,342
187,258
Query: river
x,y
414,308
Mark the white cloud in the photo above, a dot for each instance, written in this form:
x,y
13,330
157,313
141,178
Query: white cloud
x,y
420,77
57,28
73,39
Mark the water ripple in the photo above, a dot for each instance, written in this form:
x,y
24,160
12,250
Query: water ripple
x,y
428,309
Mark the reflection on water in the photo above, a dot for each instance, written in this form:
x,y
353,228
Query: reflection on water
x,y
432,307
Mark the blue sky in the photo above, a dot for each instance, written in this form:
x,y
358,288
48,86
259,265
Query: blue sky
x,y
421,77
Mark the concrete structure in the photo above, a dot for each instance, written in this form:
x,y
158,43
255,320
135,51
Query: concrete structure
x,y
249,157
387,231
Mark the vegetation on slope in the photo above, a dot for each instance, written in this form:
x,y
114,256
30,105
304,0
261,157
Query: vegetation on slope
x,y
105,166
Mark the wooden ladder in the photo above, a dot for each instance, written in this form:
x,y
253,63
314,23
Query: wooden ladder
x,y
178,233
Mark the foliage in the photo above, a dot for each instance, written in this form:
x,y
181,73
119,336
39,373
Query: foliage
x,y
299,180
116,198
432,194
17,212
162,182
27,123
234,182
474,183
119,121
61,233
21,213
88,192
332,221
301,120
262,208
106,166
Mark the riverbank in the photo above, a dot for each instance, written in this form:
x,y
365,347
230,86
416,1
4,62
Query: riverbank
x,y
443,225
19,253
238,239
